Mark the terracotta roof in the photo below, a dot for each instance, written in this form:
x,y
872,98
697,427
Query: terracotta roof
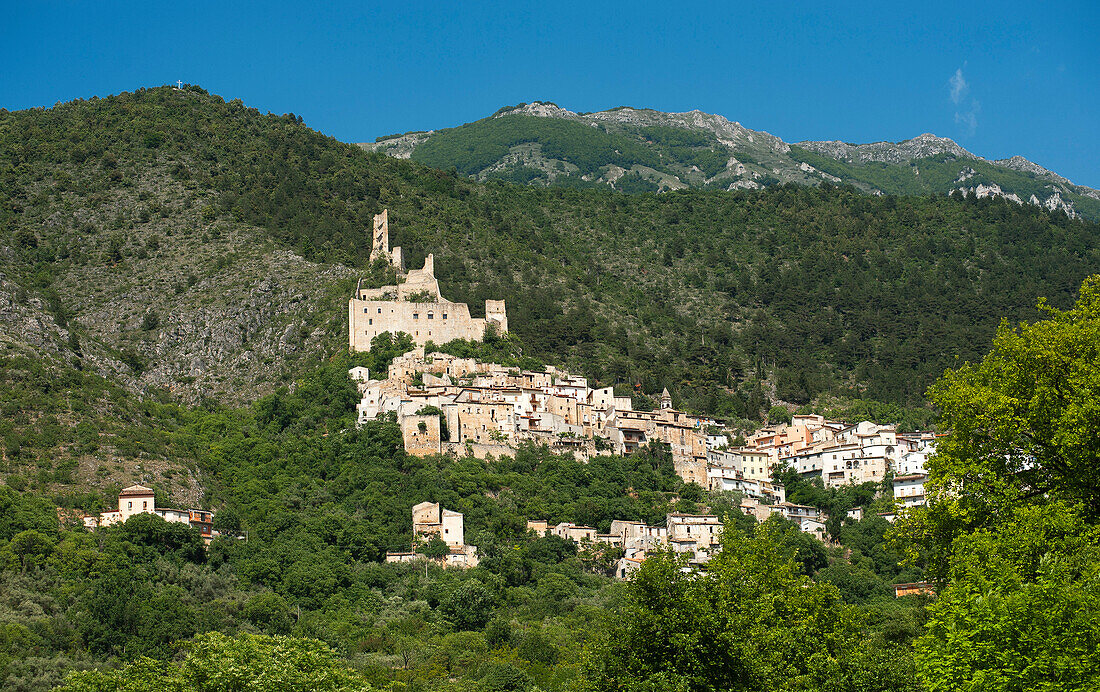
x,y
136,491
910,477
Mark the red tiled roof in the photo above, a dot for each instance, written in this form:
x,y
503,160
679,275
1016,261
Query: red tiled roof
x,y
136,491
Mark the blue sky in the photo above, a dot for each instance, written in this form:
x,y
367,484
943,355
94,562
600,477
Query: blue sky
x,y
1000,78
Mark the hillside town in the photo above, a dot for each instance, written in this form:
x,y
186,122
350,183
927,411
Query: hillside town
x,y
448,404
445,404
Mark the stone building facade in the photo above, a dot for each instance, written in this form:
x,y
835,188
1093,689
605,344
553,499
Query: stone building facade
x,y
421,434
415,305
138,499
429,520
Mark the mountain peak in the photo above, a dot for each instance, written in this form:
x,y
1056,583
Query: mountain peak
x,y
541,109
1019,163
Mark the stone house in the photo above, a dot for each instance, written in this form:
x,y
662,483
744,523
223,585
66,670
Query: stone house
x,y
428,520
138,499
697,534
575,533
909,489
421,434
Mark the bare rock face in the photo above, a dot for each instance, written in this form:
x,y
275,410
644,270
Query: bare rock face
x,y
1052,203
399,147
1019,163
923,146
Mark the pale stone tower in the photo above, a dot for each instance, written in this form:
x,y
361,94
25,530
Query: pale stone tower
x,y
380,239
496,312
666,399
381,236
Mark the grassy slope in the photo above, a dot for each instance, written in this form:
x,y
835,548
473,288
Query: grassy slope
x,y
475,147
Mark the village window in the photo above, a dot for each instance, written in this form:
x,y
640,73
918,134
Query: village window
x,y
380,311
431,316
370,320
444,315
129,505
145,505
416,315
364,311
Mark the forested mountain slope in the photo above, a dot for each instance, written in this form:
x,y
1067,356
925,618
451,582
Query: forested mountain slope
x,y
172,299
173,246
643,150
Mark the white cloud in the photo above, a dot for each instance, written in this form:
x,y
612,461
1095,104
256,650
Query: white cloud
x,y
969,117
959,87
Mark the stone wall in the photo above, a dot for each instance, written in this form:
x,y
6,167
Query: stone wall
x,y
438,321
421,434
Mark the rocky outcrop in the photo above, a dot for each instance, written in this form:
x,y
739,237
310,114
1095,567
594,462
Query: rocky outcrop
x,y
920,147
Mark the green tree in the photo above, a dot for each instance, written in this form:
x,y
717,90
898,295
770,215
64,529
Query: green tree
x,y
28,549
218,663
1022,611
1024,425
168,538
1010,533
750,622
1025,421
469,605
269,612
435,548
779,414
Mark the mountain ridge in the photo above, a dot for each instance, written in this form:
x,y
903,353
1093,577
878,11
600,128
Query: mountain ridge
x,y
731,156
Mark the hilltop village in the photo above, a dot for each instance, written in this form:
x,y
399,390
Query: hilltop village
x,y
447,404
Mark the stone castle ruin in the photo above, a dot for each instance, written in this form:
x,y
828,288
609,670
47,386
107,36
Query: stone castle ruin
x,y
414,305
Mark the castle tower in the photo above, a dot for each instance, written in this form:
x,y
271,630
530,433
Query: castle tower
x,y
496,312
380,240
381,236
